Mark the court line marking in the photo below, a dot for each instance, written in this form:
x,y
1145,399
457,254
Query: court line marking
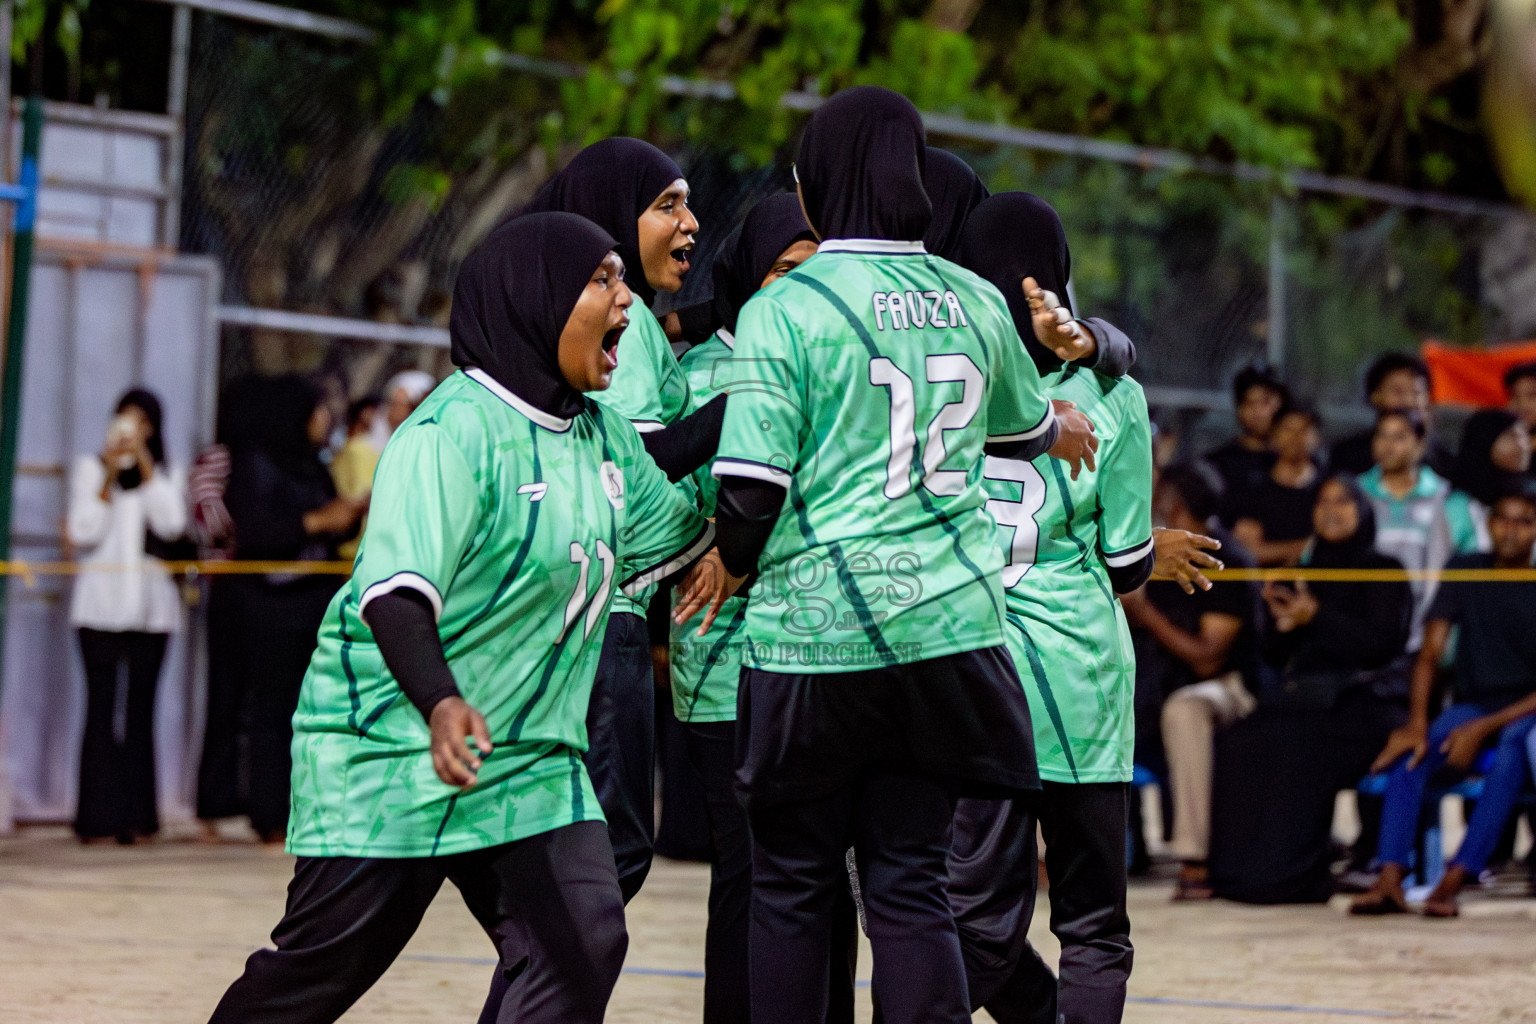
x,y
1221,1004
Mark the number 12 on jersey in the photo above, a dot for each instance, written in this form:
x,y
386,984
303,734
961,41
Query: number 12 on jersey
x,y
1018,514
956,415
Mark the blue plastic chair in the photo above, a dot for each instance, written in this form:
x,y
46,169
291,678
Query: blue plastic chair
x,y
1429,860
1141,777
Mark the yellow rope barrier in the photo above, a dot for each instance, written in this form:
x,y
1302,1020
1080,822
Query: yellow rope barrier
x,y
29,570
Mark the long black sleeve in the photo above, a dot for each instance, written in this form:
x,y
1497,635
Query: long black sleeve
x,y
405,630
1116,351
687,444
745,512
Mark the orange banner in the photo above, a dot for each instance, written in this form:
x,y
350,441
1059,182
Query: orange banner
x,y
1473,376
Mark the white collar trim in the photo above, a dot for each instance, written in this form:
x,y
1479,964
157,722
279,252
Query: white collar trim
x,y
727,337
538,416
884,246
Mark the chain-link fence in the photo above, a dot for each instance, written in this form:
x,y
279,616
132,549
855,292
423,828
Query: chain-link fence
x,y
311,205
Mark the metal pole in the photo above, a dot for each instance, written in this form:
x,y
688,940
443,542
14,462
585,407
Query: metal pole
x,y
1275,336
15,337
176,106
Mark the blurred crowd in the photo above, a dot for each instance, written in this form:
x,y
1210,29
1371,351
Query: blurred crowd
x,y
1256,703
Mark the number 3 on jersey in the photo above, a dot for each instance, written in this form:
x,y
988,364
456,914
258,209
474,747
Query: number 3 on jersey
x,y
1018,514
957,415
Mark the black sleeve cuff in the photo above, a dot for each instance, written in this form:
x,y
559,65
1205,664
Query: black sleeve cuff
x,y
1116,351
1025,450
671,570
1126,578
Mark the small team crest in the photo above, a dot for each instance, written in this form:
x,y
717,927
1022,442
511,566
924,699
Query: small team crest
x,y
613,484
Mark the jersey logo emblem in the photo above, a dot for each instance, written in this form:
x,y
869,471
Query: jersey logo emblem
x,y
535,492
613,484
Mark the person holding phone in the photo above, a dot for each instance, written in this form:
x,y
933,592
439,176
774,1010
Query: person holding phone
x,y
124,505
1320,721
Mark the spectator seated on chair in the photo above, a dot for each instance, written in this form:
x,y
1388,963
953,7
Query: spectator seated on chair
x,y
1494,705
1319,722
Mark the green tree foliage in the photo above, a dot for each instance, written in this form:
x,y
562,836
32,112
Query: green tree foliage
x,y
1268,81
1257,80
381,164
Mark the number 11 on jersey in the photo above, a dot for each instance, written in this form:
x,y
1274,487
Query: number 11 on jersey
x,y
1018,514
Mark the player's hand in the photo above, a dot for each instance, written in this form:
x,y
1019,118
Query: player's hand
x,y
113,451
1179,555
1076,442
452,758
1304,606
1054,326
1461,747
1411,739
706,586
1281,600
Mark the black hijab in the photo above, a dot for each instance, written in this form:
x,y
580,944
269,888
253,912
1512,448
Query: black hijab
x,y
512,298
1474,471
1366,623
954,190
611,183
861,166
748,253
1358,551
276,411
1011,236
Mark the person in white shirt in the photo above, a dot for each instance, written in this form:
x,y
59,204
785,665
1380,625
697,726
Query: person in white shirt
x,y
124,504
402,394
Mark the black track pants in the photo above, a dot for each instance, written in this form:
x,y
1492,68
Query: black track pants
x,y
551,904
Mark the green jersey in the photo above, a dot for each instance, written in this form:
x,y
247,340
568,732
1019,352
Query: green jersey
x,y
518,527
650,390
705,670
1066,630
877,374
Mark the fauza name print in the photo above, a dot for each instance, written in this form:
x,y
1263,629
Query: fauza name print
x,y
906,310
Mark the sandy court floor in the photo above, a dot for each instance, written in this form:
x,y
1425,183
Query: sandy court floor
x,y
154,934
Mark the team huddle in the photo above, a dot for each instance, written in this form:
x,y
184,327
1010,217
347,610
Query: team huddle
x,y
894,488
